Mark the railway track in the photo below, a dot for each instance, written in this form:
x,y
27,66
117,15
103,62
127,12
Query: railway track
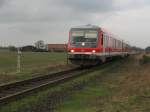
x,y
14,91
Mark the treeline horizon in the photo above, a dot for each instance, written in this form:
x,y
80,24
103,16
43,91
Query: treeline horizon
x,y
33,48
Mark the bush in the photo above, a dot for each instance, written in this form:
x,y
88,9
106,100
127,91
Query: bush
x,y
147,49
145,59
12,48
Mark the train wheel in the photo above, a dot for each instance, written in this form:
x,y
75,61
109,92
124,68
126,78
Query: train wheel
x,y
103,59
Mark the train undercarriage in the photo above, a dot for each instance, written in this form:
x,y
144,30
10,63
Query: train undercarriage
x,y
88,59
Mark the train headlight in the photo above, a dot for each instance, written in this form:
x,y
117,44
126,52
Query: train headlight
x,y
83,44
93,51
72,50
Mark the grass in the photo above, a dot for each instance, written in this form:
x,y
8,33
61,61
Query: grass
x,y
44,101
121,87
119,90
91,96
145,59
83,101
31,63
8,60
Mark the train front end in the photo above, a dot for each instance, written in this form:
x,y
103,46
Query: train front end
x,y
83,45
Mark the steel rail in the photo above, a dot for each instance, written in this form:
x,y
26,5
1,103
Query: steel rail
x,y
22,82
14,91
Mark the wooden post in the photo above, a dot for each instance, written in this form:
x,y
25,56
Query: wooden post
x,y
18,60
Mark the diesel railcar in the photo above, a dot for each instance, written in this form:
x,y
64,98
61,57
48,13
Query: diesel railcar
x,y
90,44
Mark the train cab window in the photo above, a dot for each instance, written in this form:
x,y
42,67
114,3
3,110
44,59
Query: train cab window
x,y
88,37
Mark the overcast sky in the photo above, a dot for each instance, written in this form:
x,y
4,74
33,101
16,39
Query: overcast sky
x,y
23,22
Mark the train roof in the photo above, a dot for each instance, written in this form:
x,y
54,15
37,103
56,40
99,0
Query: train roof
x,y
88,26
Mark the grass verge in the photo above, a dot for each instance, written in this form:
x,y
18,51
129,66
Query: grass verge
x,y
121,87
50,99
124,88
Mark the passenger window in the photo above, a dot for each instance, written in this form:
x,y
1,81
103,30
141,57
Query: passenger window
x,y
102,39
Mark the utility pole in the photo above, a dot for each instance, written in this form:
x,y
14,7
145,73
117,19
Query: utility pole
x,y
18,60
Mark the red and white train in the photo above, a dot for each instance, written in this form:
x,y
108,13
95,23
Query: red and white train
x,y
90,44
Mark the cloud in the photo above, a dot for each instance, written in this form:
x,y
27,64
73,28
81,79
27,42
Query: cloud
x,y
89,6
131,26
28,11
53,11
130,4
27,21
2,2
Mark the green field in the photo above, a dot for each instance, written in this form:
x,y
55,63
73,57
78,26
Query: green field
x,y
31,63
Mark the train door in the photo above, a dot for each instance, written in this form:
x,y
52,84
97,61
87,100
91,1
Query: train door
x,y
104,43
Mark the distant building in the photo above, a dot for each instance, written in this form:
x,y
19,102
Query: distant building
x,y
40,45
56,47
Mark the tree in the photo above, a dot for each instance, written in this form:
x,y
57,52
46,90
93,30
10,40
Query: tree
x,y
12,48
40,45
147,49
28,48
137,49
